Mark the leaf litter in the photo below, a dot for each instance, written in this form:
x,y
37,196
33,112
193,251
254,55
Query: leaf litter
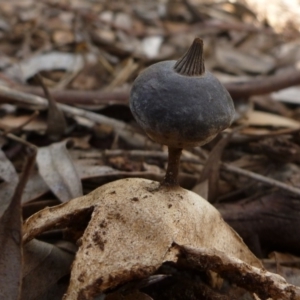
x,y
11,240
88,54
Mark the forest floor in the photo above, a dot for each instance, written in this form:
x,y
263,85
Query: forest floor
x,y
66,70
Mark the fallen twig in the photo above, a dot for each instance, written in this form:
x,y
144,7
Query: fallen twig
x,y
73,97
261,178
124,130
224,167
121,128
18,128
258,86
264,85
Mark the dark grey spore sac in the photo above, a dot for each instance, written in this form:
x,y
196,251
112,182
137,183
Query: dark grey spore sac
x,y
177,110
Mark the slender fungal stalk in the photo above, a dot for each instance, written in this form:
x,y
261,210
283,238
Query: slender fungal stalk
x,y
171,177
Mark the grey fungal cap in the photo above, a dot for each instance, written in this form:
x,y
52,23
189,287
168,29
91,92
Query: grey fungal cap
x,y
179,110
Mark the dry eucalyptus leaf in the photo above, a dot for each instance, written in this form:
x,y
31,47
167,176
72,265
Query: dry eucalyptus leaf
x,y
11,238
63,37
132,231
10,177
288,95
12,121
6,192
58,171
44,265
236,61
7,169
151,45
92,171
34,188
11,251
48,62
260,118
56,122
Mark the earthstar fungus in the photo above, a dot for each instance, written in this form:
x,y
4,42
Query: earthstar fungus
x,y
181,105
133,226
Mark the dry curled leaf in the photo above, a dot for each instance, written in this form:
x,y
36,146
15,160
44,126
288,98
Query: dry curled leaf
x,y
132,231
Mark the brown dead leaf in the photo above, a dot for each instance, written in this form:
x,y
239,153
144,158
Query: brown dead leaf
x,y
132,230
11,240
34,188
10,177
7,169
63,37
233,60
44,265
259,118
10,122
58,171
56,122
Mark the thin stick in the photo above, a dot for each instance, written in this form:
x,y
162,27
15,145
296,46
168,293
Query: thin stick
x,y
122,129
19,140
258,86
224,167
264,85
261,178
18,128
73,97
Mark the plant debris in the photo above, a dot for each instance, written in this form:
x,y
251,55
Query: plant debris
x,y
77,119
